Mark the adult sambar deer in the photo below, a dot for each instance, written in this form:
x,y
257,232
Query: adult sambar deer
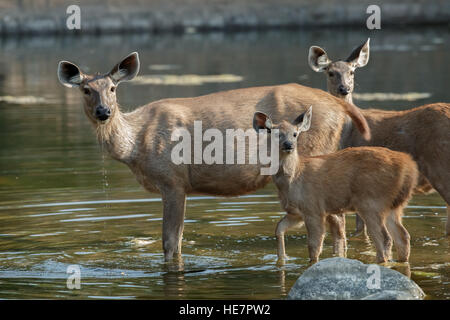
x,y
377,182
423,132
142,138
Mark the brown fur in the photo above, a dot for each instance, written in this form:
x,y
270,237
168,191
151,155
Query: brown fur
x,y
377,182
423,132
142,138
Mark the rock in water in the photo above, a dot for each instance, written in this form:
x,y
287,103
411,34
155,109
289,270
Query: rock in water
x,y
345,279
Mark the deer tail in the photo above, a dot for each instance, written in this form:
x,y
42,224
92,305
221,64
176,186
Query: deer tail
x,y
358,119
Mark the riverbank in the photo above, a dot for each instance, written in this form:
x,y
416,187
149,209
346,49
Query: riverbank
x,y
113,16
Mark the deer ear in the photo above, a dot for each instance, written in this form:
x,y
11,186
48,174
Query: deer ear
x,y
318,59
69,74
126,69
261,121
303,121
360,56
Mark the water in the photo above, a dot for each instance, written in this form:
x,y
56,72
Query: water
x,y
63,203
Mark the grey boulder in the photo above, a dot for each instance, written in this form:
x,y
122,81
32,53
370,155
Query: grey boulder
x,y
347,279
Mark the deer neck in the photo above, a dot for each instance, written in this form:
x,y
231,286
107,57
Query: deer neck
x,y
291,165
117,137
349,98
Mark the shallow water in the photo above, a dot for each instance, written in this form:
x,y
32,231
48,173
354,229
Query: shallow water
x,y
63,203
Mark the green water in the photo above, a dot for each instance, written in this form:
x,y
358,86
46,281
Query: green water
x,y
64,203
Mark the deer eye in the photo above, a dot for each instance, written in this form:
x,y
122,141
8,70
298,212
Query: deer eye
x,y
331,74
113,89
295,134
352,72
86,91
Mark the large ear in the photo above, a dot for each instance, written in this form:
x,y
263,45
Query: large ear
x,y
318,59
303,121
360,56
126,69
261,121
69,74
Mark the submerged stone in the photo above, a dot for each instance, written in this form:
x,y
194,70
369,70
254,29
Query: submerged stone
x,y
347,279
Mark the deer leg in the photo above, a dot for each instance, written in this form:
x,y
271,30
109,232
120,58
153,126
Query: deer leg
x,y
360,226
174,202
377,230
440,180
444,191
399,234
315,225
287,222
337,229
448,221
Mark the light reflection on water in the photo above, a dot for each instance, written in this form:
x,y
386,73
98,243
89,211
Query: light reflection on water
x,y
218,249
63,203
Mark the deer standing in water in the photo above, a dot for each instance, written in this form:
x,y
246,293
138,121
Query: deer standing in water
x,y
377,182
423,132
142,138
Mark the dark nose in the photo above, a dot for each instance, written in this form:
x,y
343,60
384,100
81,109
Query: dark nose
x,y
102,113
343,90
287,145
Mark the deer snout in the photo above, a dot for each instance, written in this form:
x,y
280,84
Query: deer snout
x,y
102,113
288,146
343,90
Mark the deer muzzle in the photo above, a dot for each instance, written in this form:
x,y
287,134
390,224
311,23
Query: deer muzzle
x,y
102,113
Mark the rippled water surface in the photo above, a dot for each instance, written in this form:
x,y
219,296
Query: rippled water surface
x,y
62,202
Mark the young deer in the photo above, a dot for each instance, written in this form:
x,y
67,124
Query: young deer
x,y
377,182
423,132
142,138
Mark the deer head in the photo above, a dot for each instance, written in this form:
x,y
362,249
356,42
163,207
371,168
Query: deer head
x,y
288,131
99,91
340,74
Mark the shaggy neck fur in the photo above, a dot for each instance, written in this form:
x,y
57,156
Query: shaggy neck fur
x,y
291,165
349,98
117,137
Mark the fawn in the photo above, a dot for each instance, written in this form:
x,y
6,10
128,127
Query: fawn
x,y
423,132
377,182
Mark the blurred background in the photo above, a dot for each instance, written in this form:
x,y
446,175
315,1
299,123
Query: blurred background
x,y
48,16
63,201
